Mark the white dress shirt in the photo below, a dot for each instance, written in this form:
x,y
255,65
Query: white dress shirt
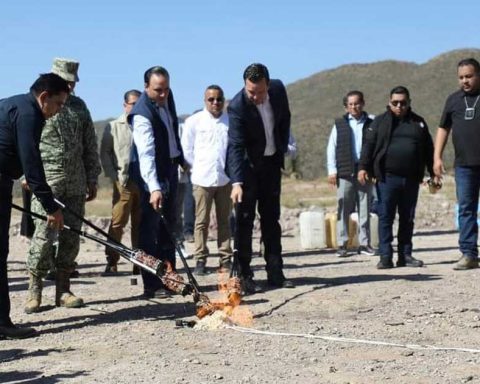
x,y
204,143
266,112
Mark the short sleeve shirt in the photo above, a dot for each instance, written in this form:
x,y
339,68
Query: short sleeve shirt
x,y
465,133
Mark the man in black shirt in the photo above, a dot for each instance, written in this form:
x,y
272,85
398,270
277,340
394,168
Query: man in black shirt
x,y
461,115
21,122
397,148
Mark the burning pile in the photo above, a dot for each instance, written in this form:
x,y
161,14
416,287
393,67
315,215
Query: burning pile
x,y
214,314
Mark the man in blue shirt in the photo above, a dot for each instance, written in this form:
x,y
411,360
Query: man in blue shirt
x,y
22,118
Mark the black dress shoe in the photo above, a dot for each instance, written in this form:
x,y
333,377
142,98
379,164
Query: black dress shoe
x,y
249,287
409,261
225,266
285,283
11,331
160,293
385,263
200,268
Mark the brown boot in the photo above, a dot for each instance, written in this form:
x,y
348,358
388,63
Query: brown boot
x,y
34,301
63,296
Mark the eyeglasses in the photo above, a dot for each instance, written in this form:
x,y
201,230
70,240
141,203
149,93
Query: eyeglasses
x,y
399,103
131,103
217,99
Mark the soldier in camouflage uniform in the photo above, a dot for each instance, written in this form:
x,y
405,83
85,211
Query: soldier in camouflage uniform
x,y
68,148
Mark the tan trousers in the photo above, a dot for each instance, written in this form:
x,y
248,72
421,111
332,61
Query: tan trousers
x,y
204,197
126,204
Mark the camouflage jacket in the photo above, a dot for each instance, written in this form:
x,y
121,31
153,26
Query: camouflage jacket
x,y
69,149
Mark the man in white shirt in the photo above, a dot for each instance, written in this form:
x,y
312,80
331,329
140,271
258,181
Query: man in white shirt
x,y
157,154
204,142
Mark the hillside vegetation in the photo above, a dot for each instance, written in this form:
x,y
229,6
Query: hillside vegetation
x,y
316,101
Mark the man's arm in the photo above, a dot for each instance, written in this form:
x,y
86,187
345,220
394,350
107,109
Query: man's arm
x,y
236,145
441,139
91,161
188,141
365,163
107,153
145,142
331,157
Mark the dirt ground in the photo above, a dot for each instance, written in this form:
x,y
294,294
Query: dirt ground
x,y
345,322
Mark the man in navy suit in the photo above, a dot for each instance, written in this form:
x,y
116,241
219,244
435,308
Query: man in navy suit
x,y
156,156
258,135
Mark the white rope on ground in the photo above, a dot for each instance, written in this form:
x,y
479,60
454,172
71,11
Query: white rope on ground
x,y
349,340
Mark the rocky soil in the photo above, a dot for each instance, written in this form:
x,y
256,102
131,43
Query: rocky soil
x,y
345,322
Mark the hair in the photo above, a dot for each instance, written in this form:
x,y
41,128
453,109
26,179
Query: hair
x,y
400,90
132,92
470,61
215,88
156,70
256,72
353,93
50,83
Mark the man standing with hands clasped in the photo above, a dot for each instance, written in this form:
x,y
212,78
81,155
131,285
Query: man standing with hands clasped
x,y
204,142
397,150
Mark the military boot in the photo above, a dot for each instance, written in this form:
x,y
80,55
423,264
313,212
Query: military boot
x,y
35,286
63,296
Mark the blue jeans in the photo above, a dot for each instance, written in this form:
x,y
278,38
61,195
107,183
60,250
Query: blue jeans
x,y
396,192
467,180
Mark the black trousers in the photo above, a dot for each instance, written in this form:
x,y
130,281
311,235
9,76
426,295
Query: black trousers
x,y
262,185
6,185
154,238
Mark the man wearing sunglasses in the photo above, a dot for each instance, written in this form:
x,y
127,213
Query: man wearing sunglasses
x,y
397,149
259,118
115,154
204,142
461,116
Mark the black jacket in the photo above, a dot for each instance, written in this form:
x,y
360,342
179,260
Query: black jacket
x,y
378,138
21,124
246,134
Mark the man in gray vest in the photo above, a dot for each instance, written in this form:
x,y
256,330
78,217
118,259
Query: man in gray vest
x,y
343,152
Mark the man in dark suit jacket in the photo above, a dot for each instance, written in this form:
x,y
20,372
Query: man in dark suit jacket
x,y
259,128
157,155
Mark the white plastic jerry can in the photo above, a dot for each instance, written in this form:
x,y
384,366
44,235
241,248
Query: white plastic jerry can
x,y
312,230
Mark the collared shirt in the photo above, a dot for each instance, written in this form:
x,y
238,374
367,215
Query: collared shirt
x,y
266,113
357,129
204,143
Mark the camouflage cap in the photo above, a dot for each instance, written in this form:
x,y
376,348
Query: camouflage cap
x,y
67,69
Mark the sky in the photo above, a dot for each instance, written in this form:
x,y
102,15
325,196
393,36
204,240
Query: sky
x,y
211,42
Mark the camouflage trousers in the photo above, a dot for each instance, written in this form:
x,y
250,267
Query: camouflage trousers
x,y
52,250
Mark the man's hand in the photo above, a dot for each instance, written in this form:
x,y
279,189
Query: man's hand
x,y
91,191
332,179
362,177
438,168
237,193
156,199
55,220
25,185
